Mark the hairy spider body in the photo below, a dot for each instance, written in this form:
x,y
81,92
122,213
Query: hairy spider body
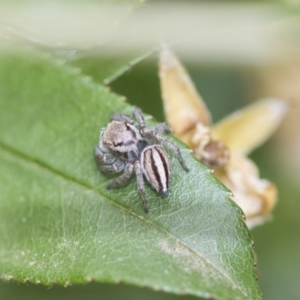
x,y
126,147
121,137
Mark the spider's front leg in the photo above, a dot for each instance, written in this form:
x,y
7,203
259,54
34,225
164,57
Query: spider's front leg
x,y
116,167
162,127
140,184
128,170
150,130
104,157
121,118
139,117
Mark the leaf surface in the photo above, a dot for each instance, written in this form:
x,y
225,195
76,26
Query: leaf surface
x,y
59,223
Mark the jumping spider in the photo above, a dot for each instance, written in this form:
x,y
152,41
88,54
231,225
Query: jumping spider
x,y
129,147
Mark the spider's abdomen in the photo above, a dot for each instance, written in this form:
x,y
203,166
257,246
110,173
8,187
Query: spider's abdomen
x,y
156,168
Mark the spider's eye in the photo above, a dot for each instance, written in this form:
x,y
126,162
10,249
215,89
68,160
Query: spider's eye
x,y
118,144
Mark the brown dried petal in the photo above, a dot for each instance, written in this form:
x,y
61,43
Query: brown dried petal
x,y
246,129
213,153
256,197
221,146
183,106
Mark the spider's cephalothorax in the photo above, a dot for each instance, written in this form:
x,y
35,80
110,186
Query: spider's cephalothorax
x,y
130,148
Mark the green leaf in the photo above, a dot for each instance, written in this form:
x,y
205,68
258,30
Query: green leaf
x,y
59,223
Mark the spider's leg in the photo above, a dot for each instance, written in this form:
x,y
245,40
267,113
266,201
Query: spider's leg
x,y
140,184
172,147
164,127
128,170
103,157
121,118
116,167
139,117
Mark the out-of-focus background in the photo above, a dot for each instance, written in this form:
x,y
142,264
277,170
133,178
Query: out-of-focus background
x,y
235,54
